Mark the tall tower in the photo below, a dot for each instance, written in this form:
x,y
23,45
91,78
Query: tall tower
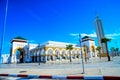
x,y
100,33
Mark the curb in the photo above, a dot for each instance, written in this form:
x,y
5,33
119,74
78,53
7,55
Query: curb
x,y
63,77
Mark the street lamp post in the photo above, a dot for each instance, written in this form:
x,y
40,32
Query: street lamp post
x,y
39,53
3,32
28,52
81,55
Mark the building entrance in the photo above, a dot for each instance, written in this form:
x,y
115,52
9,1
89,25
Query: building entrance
x,y
20,55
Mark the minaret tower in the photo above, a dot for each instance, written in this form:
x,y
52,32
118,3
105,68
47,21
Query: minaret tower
x,y
100,33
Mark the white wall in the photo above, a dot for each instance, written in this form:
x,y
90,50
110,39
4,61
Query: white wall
x,y
5,58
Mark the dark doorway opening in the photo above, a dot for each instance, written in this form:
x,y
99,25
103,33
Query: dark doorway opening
x,y
32,58
20,55
51,57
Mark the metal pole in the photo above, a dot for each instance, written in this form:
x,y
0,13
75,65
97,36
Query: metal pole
x,y
28,52
82,55
3,32
39,53
39,58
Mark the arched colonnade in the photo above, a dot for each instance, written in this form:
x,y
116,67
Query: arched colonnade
x,y
51,54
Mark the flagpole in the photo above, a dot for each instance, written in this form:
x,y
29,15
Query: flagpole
x,y
81,55
3,32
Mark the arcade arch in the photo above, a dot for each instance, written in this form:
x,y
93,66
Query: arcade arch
x,y
57,53
50,55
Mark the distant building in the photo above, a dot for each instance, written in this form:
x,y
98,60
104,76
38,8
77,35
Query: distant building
x,y
5,58
22,52
100,33
89,43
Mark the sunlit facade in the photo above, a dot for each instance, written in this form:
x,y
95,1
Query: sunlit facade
x,y
49,51
100,33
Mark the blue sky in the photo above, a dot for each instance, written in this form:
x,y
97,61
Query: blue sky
x,y
59,20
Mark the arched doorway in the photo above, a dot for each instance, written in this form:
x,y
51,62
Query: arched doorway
x,y
57,53
20,55
93,50
50,55
63,54
86,49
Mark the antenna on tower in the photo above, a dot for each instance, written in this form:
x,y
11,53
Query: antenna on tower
x,y
96,15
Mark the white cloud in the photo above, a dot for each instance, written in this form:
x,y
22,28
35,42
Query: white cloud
x,y
112,35
83,34
76,34
90,35
31,41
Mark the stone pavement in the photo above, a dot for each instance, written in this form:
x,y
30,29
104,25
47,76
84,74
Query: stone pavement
x,y
90,71
111,68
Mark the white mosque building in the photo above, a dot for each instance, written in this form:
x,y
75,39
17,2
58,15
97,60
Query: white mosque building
x,y
21,51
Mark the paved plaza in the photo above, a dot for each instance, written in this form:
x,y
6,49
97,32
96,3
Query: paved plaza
x,y
94,66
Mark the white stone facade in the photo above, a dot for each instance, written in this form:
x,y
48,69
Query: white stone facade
x,y
48,51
